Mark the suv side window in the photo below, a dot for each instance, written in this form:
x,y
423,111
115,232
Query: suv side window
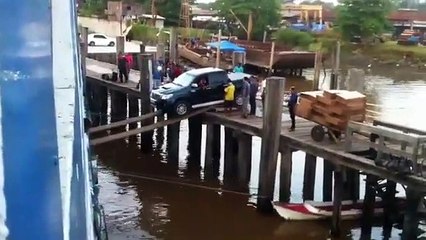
x,y
217,79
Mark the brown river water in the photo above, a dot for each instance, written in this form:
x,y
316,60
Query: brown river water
x,y
139,206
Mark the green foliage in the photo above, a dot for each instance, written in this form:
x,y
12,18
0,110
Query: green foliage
x,y
146,34
265,12
294,38
364,18
93,7
170,9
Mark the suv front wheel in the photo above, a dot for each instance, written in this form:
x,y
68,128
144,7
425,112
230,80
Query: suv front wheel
x,y
181,108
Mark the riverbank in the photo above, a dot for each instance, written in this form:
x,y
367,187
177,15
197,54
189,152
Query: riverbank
x,y
392,51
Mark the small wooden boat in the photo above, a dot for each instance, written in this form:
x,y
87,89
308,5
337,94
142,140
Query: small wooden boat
x,y
311,210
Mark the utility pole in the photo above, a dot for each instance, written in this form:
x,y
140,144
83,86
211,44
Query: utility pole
x,y
153,13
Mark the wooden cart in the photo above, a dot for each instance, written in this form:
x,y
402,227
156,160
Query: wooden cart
x,y
331,110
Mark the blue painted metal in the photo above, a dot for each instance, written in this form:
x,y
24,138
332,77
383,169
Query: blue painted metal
x,y
34,201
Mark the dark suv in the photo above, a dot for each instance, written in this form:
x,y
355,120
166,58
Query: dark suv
x,y
184,93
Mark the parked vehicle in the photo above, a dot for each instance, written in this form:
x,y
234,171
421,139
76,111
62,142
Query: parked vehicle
x,y
185,94
97,39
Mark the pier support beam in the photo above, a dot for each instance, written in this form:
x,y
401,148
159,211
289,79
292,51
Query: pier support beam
x,y
133,110
145,89
270,142
351,185
337,202
411,217
194,143
309,177
173,131
231,151
103,104
244,158
368,207
327,181
389,209
285,174
212,152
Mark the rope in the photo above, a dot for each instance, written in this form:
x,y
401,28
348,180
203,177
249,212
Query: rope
x,y
183,184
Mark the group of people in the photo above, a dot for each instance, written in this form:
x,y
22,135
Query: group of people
x,y
249,92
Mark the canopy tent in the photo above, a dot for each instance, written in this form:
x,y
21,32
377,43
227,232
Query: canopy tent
x,y
227,46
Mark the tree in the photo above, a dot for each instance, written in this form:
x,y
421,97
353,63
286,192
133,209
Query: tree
x,y
170,9
364,18
252,15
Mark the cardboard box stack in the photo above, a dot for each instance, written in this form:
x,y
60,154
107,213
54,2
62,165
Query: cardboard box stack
x,y
334,108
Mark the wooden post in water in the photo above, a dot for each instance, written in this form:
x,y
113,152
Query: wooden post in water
x,y
309,177
285,174
368,207
317,71
411,217
244,158
230,161
389,209
270,142
337,202
194,142
327,181
271,58
144,60
174,45
133,110
218,49
119,44
212,152
173,132
103,104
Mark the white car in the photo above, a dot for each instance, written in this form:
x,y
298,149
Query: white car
x,y
97,39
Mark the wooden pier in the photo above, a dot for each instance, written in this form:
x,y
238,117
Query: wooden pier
x,y
127,104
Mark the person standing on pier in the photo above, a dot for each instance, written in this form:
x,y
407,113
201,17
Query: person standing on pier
x,y
292,104
239,68
246,97
254,88
122,68
229,96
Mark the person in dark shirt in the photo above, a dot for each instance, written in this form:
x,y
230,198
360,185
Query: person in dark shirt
x,y
292,103
254,88
123,68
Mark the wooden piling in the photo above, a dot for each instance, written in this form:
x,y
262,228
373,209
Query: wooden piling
x,y
144,81
133,110
194,142
103,104
285,174
270,142
389,213
351,185
317,71
337,202
309,177
327,181
173,132
230,161
212,152
368,206
173,50
119,46
244,158
411,217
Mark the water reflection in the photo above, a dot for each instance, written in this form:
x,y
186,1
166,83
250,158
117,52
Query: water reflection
x,y
144,208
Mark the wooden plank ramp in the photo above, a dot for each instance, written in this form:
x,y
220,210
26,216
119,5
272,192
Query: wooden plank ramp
x,y
144,129
124,122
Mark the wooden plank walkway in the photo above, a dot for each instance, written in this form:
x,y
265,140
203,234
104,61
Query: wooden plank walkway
x,y
95,69
301,140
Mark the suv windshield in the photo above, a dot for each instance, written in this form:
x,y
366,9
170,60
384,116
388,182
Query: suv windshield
x,y
184,80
